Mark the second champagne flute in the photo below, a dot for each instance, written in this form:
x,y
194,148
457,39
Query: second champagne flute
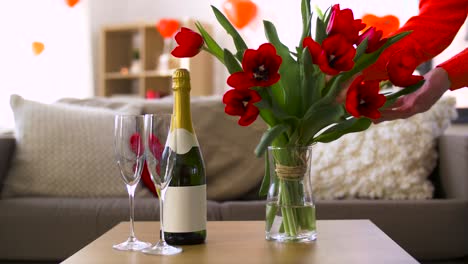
x,y
129,154
160,148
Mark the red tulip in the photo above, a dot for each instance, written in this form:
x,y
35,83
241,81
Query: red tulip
x,y
400,68
363,98
314,48
374,39
260,68
190,43
335,54
339,53
240,102
343,22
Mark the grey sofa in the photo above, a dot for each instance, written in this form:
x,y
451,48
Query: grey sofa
x,y
49,229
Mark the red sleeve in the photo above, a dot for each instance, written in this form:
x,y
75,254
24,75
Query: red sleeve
x,y
432,32
457,69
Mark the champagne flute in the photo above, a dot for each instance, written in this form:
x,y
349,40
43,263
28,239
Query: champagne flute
x,y
129,154
160,161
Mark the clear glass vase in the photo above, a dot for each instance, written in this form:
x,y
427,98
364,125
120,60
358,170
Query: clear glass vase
x,y
290,210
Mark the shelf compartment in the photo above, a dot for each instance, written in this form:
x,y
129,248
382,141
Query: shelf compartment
x,y
118,76
118,49
117,46
122,86
160,84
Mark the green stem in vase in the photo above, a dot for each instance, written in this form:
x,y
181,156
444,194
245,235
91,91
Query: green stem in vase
x,y
281,229
272,210
287,210
281,203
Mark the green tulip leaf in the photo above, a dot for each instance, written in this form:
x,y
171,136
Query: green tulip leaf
x,y
212,47
289,71
306,19
361,49
312,79
345,127
238,41
266,179
320,31
268,102
320,119
268,137
231,63
405,91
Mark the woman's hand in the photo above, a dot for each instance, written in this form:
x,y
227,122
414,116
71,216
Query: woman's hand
x,y
435,85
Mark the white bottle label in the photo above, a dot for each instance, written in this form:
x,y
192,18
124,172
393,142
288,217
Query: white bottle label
x,y
185,141
185,209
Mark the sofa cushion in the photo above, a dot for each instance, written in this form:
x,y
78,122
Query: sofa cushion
x,y
63,150
391,160
7,146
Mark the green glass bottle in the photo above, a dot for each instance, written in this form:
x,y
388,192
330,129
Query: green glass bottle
x,y
185,203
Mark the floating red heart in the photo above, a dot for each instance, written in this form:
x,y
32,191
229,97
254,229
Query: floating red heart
x,y
387,24
167,27
37,48
240,12
72,3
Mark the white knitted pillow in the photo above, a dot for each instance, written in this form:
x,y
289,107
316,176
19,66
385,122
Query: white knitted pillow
x,y
64,150
391,160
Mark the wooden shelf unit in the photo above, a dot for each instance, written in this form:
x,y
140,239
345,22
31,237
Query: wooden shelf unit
x,y
116,53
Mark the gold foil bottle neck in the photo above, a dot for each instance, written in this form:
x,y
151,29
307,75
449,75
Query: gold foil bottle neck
x,y
181,80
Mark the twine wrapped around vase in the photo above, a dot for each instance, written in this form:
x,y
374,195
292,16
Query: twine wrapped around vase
x,y
290,172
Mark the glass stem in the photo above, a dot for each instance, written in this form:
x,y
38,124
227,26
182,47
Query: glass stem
x,y
161,213
131,197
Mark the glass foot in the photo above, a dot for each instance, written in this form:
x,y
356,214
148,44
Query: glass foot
x,y
162,248
132,245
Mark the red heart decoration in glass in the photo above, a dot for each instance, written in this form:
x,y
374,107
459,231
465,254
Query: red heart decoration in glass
x,y
157,149
387,24
146,178
72,3
240,12
167,27
136,145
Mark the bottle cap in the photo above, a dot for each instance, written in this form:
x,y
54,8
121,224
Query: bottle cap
x,y
181,79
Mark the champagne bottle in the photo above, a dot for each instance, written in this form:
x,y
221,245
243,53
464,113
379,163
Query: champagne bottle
x,y
185,203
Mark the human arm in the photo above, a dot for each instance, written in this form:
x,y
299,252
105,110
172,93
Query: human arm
x,y
451,74
432,31
436,84
457,69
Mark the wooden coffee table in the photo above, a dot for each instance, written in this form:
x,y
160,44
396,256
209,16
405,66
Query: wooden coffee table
x,y
339,241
